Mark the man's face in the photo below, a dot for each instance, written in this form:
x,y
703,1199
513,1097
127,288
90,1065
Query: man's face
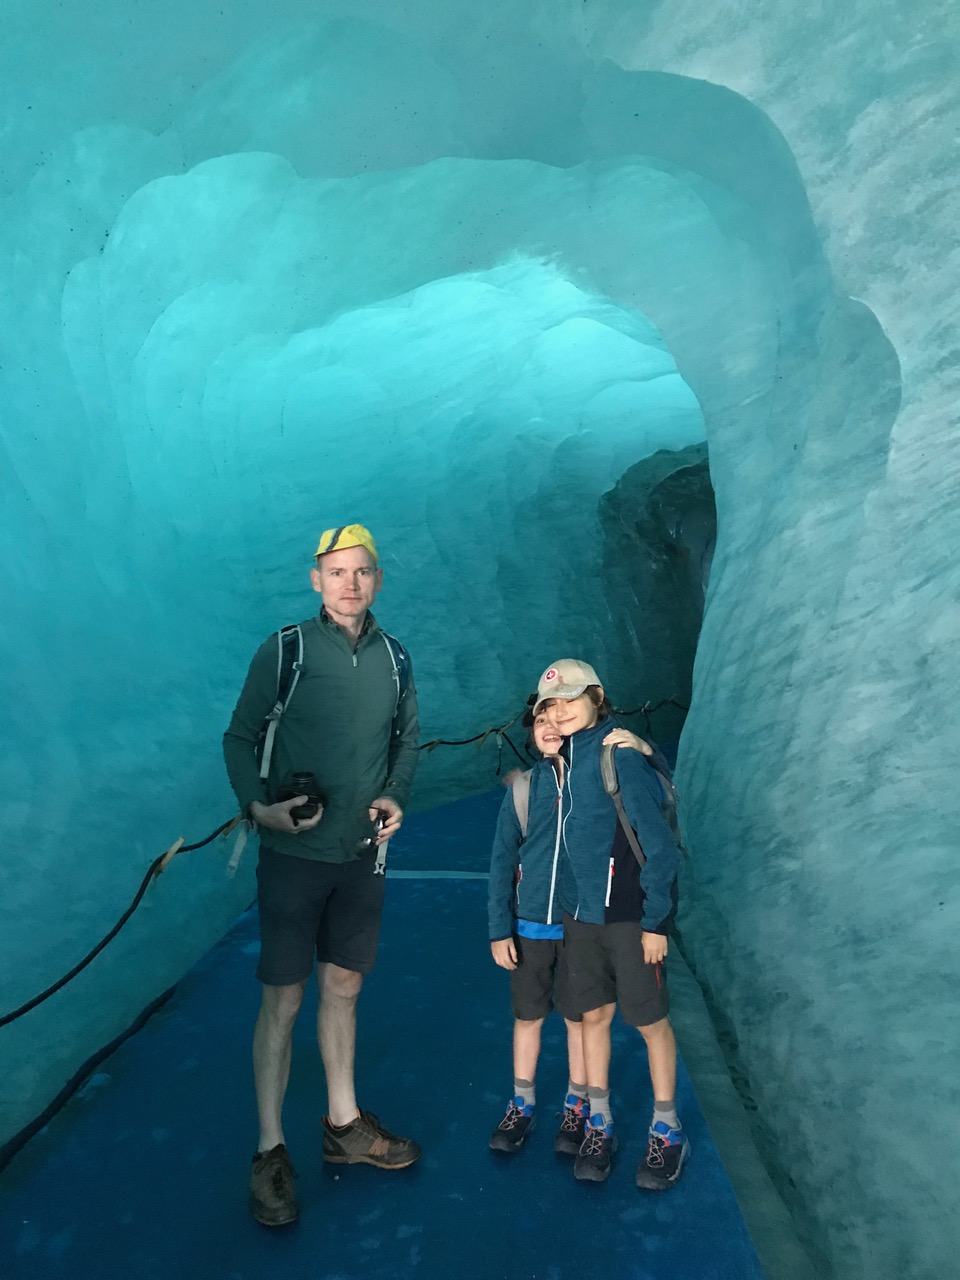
x,y
348,581
545,737
569,715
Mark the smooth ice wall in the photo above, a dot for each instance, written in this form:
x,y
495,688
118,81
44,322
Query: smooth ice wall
x,y
168,358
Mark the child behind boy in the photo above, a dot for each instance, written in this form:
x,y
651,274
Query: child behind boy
x,y
526,937
616,916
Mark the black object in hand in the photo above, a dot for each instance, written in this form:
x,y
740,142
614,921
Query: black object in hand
x,y
370,842
302,784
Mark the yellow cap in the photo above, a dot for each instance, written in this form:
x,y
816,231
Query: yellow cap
x,y
348,535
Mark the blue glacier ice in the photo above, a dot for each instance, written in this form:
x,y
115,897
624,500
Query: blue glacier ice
x,y
499,282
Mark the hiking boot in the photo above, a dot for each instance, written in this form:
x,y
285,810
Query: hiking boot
x,y
366,1141
596,1151
571,1133
667,1151
273,1200
510,1133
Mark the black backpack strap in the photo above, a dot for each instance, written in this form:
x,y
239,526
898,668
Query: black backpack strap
x,y
289,667
611,784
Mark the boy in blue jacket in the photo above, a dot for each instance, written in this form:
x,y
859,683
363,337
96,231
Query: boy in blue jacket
x,y
526,938
616,916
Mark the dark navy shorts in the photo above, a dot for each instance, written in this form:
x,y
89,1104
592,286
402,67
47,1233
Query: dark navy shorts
x,y
605,965
323,911
538,984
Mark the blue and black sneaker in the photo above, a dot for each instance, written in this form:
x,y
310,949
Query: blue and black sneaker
x,y
570,1135
667,1151
596,1151
509,1135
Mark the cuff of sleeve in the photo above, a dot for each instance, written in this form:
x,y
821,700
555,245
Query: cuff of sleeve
x,y
248,801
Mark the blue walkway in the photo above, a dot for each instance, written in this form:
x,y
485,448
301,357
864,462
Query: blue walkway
x,y
142,1176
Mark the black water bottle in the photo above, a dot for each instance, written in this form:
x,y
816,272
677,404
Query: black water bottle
x,y
302,783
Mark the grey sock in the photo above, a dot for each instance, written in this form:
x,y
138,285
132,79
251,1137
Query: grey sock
x,y
667,1112
578,1090
526,1090
600,1104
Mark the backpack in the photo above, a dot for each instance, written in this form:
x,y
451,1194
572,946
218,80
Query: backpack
x,y
668,805
520,787
289,669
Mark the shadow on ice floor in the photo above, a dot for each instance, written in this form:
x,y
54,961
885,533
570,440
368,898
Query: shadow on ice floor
x,y
142,1176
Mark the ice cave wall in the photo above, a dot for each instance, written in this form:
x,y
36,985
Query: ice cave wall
x,y
522,251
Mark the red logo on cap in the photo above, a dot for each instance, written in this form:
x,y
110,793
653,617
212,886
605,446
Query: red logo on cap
x,y
551,674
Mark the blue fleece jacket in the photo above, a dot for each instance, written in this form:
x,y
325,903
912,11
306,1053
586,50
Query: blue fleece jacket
x,y
605,886
526,873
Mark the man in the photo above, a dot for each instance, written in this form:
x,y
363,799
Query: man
x,y
352,722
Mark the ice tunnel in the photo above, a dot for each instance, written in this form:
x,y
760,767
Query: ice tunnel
x,y
631,330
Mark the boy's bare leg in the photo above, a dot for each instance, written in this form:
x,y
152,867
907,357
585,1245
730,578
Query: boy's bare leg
x,y
596,1047
272,1039
662,1054
577,1067
526,1048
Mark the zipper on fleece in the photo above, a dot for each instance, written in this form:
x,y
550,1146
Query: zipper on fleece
x,y
556,845
606,901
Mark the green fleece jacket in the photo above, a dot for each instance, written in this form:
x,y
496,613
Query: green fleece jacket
x,y
340,725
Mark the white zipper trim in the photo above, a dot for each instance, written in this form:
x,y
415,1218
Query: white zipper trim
x,y
606,901
556,846
566,784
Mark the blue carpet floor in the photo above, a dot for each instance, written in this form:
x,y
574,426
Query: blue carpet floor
x,y
143,1174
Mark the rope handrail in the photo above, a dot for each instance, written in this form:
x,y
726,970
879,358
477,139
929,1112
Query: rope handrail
x,y
156,867
159,864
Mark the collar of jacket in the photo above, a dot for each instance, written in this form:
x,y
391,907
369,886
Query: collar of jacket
x,y
369,623
587,737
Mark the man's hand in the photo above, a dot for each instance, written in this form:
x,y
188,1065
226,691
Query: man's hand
x,y
277,816
654,947
391,813
624,738
504,953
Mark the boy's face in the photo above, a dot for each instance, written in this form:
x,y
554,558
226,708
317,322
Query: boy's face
x,y
545,737
569,715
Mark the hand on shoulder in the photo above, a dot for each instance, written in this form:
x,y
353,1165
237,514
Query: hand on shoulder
x,y
624,738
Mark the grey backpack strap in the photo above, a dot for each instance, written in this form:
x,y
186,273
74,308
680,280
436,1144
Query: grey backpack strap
x,y
289,667
611,784
520,787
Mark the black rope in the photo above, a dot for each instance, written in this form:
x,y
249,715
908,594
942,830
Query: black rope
x,y
155,868
465,742
159,863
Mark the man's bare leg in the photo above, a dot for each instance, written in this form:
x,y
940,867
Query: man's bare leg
x,y
272,1039
337,1037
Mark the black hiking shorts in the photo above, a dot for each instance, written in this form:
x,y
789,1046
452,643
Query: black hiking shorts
x,y
316,911
605,965
539,982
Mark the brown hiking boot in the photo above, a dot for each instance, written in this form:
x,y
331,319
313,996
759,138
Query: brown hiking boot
x,y
366,1141
273,1200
